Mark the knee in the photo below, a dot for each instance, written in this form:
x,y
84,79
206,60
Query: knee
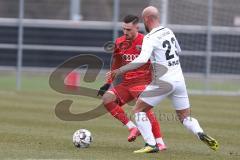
x,y
141,107
108,97
136,110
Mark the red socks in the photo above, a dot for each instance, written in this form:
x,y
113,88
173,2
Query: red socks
x,y
117,112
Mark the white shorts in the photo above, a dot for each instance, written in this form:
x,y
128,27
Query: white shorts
x,y
176,91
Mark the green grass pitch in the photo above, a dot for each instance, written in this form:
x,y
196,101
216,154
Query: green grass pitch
x,y
29,128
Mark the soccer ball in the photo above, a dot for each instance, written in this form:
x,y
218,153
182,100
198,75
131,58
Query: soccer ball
x,y
82,138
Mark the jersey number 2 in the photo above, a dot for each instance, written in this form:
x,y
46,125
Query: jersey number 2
x,y
168,44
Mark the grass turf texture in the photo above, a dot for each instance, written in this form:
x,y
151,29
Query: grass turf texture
x,y
29,127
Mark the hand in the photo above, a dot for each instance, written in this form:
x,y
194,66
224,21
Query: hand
x,y
103,89
113,74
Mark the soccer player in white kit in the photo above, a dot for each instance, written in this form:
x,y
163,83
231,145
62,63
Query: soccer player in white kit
x,y
161,47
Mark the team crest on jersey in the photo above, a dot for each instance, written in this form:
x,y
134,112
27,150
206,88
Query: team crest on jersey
x,y
139,47
125,45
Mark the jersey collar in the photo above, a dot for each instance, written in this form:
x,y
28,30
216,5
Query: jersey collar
x,y
156,29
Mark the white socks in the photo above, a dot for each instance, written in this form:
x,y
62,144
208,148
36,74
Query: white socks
x,y
130,125
145,128
192,124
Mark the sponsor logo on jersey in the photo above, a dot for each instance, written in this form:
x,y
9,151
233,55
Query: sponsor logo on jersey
x,y
129,57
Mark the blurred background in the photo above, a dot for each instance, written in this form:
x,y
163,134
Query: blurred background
x,y
37,36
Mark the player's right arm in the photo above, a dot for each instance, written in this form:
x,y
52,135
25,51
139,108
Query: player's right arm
x,y
115,64
144,56
147,48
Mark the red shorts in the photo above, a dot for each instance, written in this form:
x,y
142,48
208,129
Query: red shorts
x,y
126,93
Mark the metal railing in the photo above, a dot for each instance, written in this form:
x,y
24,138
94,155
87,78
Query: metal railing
x,y
115,26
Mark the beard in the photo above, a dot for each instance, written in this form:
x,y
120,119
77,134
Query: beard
x,y
146,28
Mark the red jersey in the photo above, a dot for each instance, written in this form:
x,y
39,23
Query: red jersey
x,y
125,52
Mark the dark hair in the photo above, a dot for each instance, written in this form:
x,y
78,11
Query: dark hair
x,y
131,19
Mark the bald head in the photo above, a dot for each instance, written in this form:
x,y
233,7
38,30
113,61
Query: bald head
x,y
150,12
151,18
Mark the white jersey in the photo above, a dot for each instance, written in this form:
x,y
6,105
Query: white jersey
x,y
162,48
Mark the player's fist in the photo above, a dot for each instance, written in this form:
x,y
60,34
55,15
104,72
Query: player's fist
x,y
103,89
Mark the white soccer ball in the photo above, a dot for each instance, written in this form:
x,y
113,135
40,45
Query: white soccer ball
x,y
82,138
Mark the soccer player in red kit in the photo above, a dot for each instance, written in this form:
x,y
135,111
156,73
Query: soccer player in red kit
x,y
127,48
